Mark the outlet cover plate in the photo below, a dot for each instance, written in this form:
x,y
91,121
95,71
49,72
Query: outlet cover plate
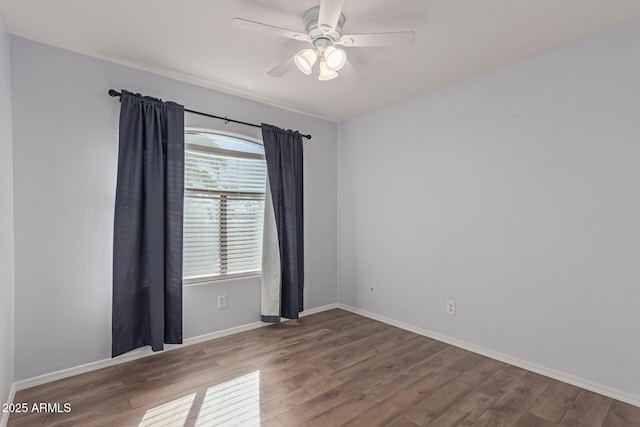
x,y
451,307
222,302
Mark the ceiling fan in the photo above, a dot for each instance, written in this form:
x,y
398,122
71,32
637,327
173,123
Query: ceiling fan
x,y
323,30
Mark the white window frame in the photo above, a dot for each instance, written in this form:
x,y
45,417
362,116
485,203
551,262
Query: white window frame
x,y
199,280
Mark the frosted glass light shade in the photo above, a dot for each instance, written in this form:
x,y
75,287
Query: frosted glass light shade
x,y
326,73
305,59
335,58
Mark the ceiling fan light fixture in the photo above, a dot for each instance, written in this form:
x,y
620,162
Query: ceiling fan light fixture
x,y
326,73
322,29
305,59
335,58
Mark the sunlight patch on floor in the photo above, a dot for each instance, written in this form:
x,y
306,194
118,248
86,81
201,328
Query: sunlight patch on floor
x,y
235,402
174,413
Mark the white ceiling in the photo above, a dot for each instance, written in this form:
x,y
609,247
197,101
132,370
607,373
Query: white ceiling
x,y
193,40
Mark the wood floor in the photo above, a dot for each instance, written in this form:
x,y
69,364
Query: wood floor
x,y
332,368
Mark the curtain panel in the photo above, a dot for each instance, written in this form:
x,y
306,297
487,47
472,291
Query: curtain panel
x,y
147,247
283,240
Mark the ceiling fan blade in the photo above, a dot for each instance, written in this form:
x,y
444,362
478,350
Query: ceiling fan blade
x,y
401,38
283,68
350,73
269,29
329,14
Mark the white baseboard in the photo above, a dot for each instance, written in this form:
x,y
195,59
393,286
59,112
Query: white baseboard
x,y
542,370
146,351
4,416
319,309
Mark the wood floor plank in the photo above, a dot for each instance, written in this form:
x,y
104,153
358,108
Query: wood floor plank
x,y
342,412
398,356
530,420
313,348
281,382
446,396
465,411
274,407
464,363
509,408
295,372
159,371
328,369
497,417
622,415
438,361
588,409
378,415
389,386
418,391
424,412
235,353
287,332
316,406
498,383
554,402
372,374
401,421
349,354
400,337
526,391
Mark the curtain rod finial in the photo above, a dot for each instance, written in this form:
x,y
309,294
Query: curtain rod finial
x,y
114,92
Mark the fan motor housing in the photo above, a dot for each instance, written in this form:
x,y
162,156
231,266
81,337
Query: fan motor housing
x,y
310,21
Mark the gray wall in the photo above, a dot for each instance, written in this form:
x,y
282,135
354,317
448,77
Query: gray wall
x,y
516,194
65,134
6,220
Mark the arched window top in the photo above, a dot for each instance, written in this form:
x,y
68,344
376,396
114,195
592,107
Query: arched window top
x,y
211,139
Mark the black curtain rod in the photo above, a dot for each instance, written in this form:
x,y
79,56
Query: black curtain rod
x,y
115,93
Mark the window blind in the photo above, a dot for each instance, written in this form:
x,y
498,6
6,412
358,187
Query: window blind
x,y
223,213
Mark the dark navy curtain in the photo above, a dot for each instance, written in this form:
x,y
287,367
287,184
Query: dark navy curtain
x,y
147,247
283,152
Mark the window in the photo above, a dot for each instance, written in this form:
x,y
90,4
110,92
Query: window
x,y
225,180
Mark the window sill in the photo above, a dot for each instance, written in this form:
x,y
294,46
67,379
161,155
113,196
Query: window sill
x,y
221,280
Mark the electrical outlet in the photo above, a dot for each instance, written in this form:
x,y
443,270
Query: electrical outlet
x,y
451,307
222,302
